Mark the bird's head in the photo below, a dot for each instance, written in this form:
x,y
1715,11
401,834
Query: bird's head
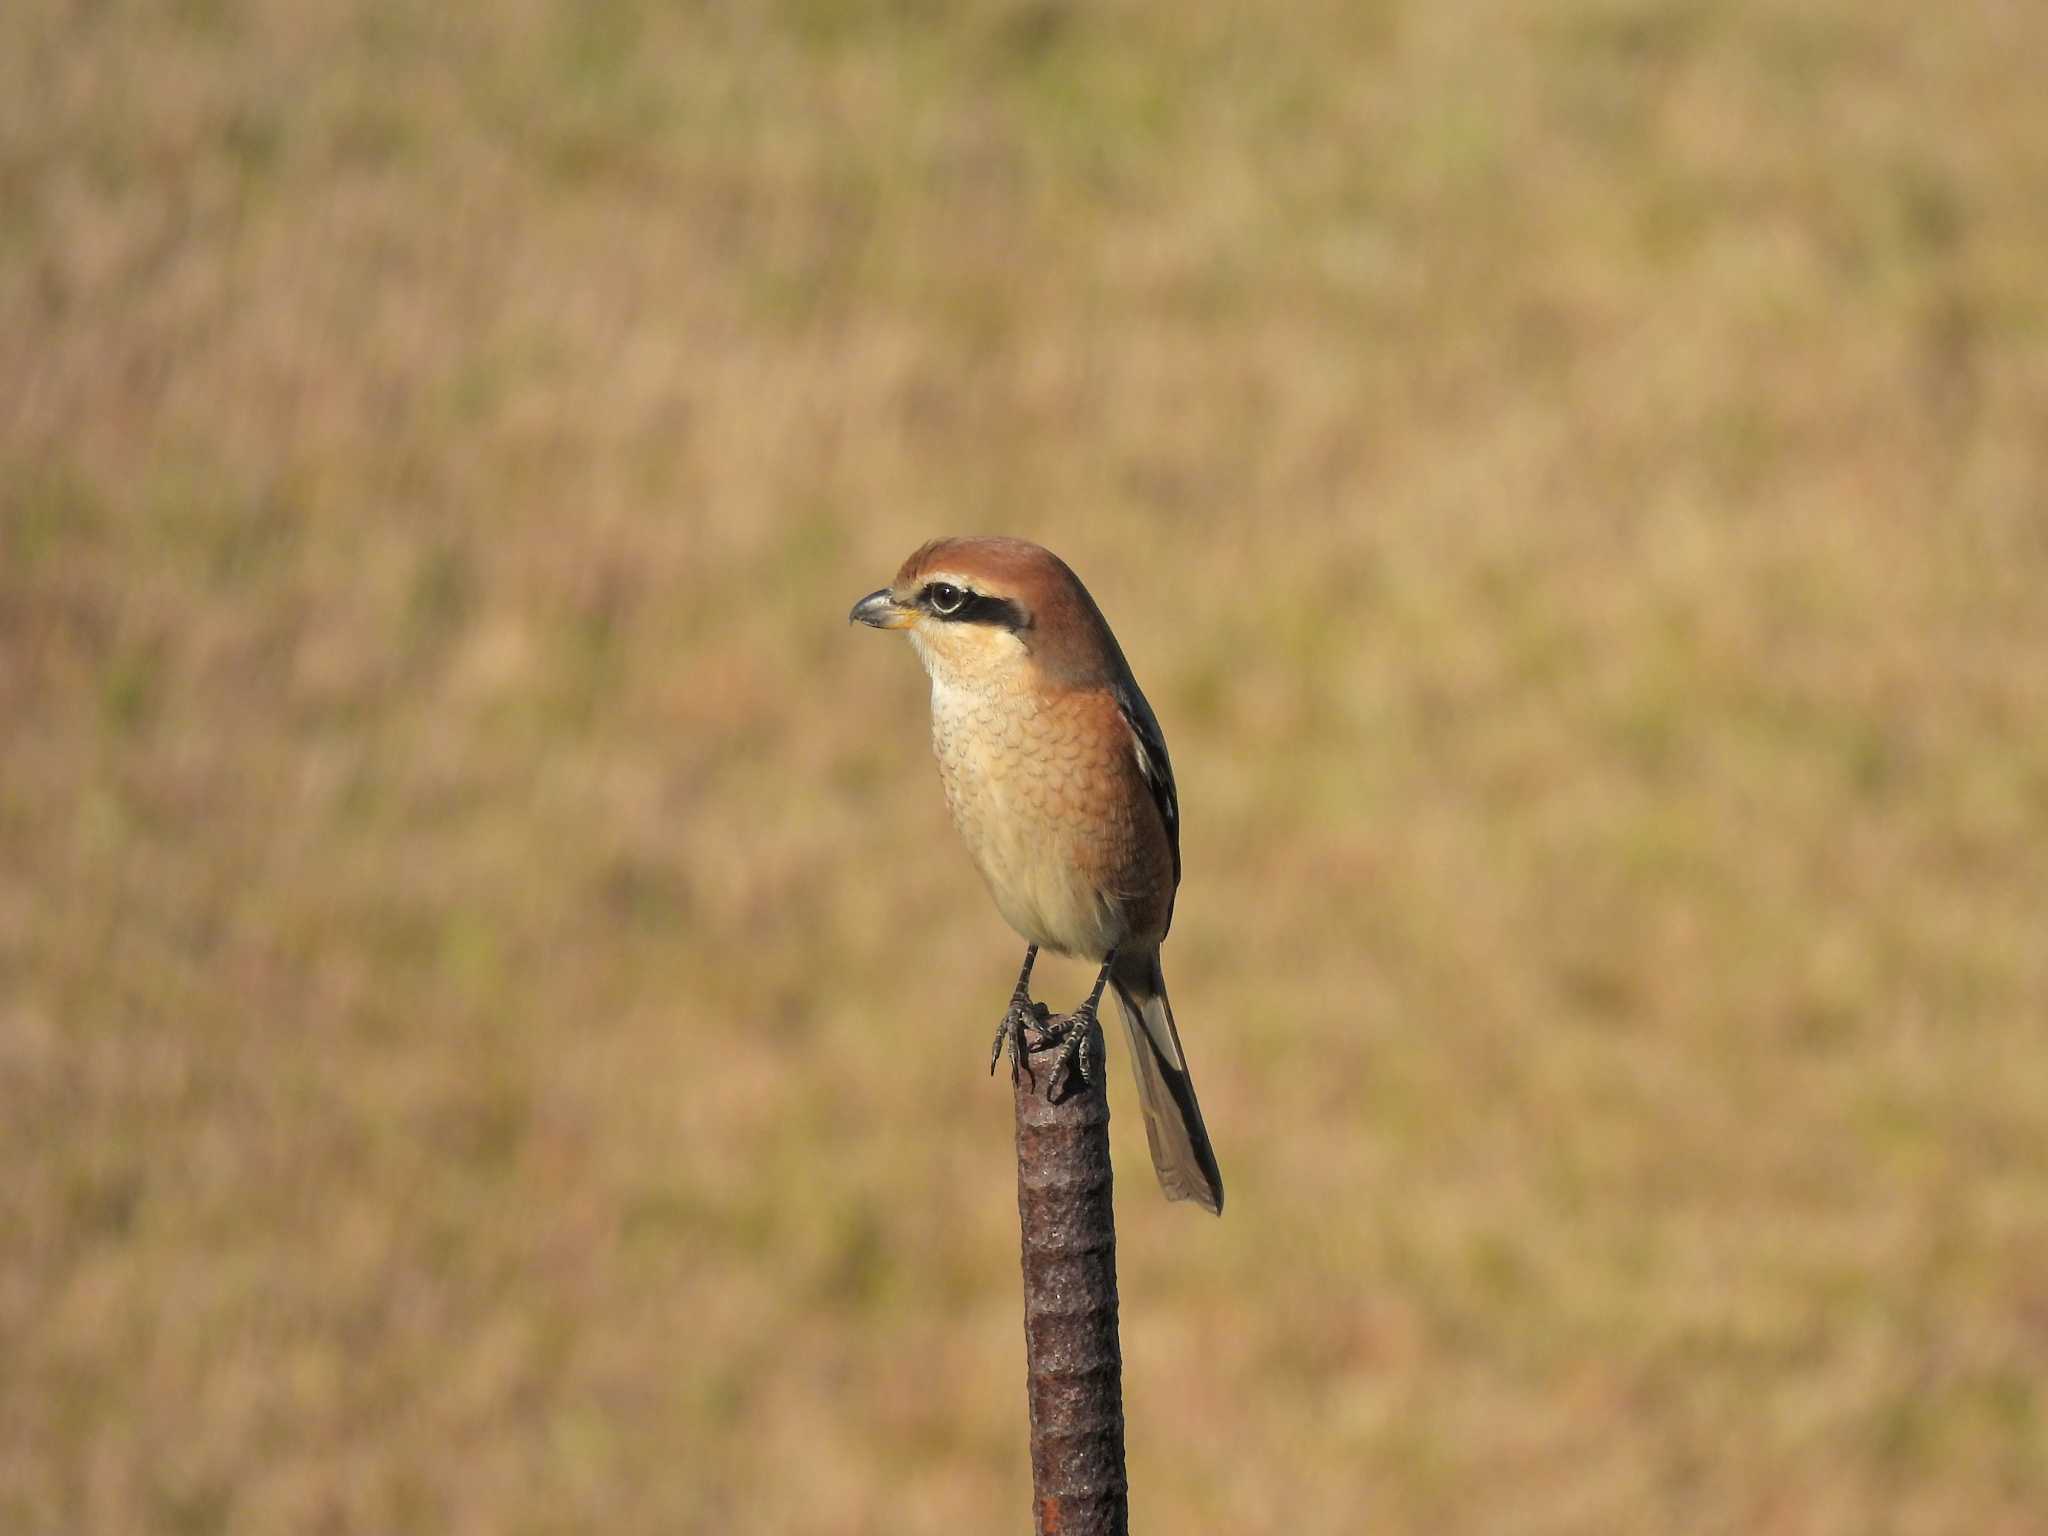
x,y
980,608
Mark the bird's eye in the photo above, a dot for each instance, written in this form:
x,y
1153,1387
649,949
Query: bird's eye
x,y
944,597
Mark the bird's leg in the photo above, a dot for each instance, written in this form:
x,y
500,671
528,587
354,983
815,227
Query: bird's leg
x,y
1071,1034
1019,1017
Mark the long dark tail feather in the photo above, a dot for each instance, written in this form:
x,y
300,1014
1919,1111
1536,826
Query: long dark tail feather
x,y
1181,1153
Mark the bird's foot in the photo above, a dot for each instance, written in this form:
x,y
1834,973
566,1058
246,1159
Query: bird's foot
x,y
1023,1015
1073,1036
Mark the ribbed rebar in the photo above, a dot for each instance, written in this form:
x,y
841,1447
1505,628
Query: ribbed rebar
x,y
1073,1364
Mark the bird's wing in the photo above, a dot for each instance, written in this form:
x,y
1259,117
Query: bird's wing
x,y
1150,747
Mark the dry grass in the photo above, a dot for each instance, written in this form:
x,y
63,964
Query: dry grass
x,y
491,1013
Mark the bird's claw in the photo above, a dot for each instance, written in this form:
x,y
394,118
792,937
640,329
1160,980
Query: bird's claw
x,y
1010,1035
1074,1038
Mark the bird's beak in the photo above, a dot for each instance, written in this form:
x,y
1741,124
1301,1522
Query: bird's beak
x,y
882,611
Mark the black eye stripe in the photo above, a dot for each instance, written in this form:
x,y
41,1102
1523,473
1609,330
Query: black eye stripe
x,y
997,611
962,605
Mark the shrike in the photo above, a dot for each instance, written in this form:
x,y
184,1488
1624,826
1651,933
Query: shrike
x,y
1058,779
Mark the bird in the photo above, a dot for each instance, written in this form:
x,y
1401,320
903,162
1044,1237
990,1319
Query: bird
x,y
1058,780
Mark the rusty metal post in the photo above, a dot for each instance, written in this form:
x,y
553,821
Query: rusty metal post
x,y
1073,1365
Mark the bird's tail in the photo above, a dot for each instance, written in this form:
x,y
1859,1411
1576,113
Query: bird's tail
x,y
1181,1153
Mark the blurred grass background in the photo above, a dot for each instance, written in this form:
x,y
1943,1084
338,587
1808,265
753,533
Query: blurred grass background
x,y
492,1013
